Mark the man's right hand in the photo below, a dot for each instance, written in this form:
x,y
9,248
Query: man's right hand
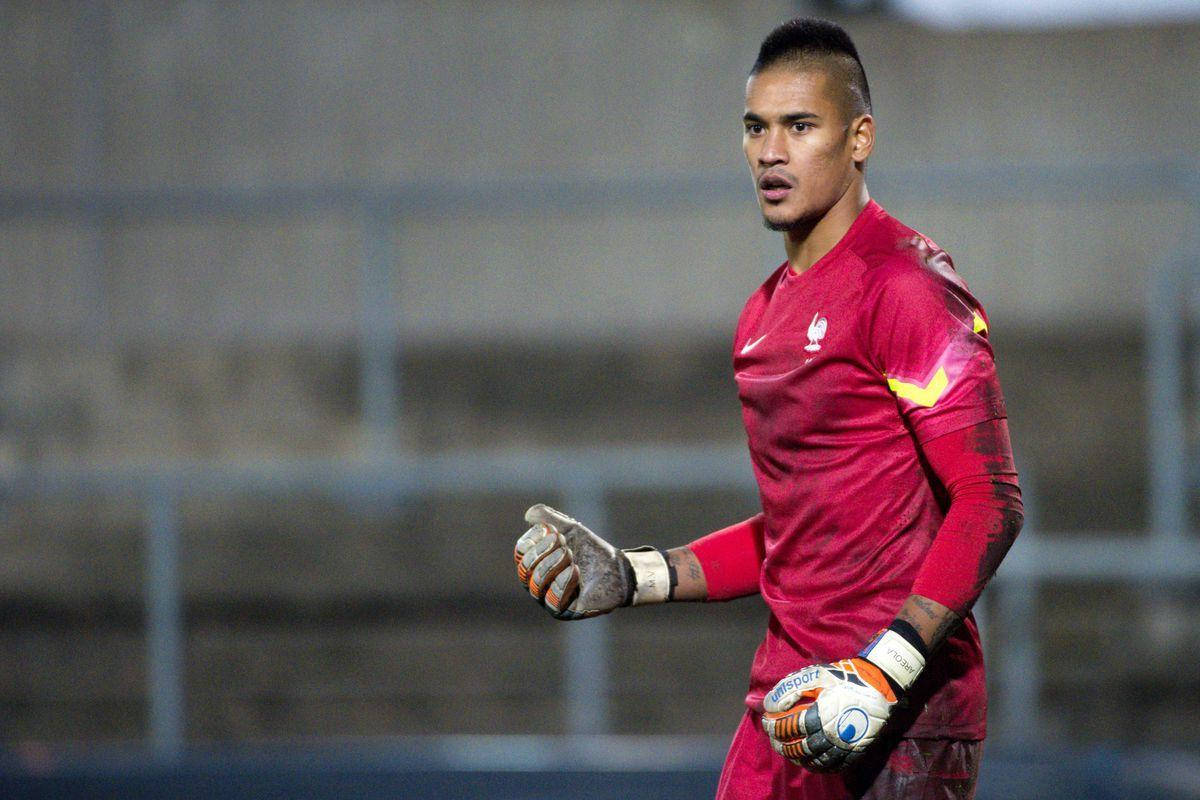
x,y
575,574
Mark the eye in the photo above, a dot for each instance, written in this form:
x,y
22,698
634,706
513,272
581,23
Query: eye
x,y
753,128
801,127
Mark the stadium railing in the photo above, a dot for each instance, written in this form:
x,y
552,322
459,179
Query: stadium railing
x,y
1168,554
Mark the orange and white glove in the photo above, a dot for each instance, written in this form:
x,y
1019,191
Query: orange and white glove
x,y
575,574
824,717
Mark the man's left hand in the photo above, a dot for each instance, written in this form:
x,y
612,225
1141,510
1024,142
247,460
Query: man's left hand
x,y
824,717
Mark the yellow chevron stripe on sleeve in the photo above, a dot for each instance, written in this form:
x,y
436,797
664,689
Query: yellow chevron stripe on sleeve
x,y
921,395
979,325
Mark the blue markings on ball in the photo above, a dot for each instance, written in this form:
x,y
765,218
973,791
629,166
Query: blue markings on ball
x,y
852,725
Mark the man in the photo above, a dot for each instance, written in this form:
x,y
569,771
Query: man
x,y
878,438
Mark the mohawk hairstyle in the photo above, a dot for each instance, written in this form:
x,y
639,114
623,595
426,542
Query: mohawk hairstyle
x,y
807,43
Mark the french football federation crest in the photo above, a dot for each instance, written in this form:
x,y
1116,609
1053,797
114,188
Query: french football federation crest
x,y
816,332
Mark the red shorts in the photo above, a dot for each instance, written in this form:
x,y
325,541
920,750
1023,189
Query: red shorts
x,y
903,769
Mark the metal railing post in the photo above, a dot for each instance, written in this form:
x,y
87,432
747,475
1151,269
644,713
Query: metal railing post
x,y
378,360
1190,265
90,65
164,624
1165,368
1012,608
587,647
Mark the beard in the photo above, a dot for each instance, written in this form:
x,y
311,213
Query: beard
x,y
797,223
782,225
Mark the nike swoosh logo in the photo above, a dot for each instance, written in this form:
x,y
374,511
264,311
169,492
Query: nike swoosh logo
x,y
751,345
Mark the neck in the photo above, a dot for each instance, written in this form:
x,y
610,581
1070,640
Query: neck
x,y
807,243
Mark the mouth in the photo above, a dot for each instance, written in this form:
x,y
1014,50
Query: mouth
x,y
774,187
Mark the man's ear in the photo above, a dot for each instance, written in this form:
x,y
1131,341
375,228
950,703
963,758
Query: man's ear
x,y
862,137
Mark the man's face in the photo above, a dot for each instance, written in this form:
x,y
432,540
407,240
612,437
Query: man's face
x,y
798,143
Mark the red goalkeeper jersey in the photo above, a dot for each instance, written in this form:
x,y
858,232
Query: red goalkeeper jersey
x,y
843,371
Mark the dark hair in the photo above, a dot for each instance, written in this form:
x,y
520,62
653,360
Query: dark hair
x,y
807,42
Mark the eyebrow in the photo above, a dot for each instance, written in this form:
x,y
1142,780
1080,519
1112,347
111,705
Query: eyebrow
x,y
795,116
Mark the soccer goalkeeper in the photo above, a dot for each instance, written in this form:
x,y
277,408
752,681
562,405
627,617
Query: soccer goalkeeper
x,y
878,437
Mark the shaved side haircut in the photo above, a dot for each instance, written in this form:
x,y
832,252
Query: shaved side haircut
x,y
806,43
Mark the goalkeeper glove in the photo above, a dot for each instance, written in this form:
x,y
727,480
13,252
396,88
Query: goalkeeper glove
x,y
825,716
576,574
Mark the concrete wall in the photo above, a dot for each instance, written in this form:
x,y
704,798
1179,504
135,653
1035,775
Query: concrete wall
x,y
229,336
206,94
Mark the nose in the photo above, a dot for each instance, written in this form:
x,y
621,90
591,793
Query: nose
x,y
774,149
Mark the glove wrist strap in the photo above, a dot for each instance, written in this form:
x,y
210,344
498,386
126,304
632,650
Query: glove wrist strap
x,y
896,657
653,579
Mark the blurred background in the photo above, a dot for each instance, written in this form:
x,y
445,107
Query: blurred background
x,y
303,303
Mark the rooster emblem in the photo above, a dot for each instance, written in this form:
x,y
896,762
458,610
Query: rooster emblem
x,y
816,332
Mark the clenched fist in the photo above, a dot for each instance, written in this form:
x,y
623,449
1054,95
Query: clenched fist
x,y
575,574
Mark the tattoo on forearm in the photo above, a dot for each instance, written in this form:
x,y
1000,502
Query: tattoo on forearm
x,y
924,605
679,561
932,621
945,626
692,584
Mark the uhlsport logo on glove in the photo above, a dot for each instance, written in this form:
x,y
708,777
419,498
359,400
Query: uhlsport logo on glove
x,y
852,725
824,717
797,681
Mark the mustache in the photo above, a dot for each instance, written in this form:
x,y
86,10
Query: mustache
x,y
776,178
